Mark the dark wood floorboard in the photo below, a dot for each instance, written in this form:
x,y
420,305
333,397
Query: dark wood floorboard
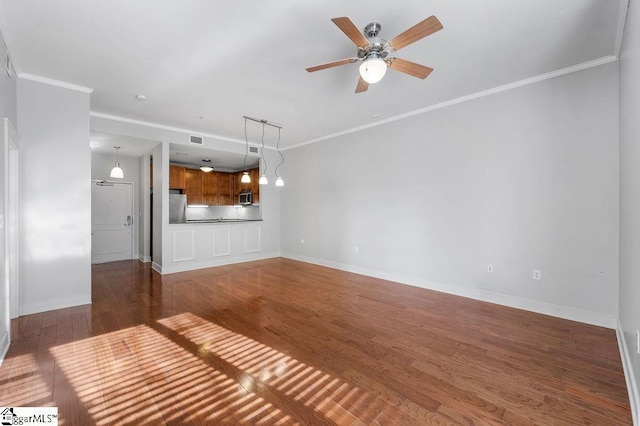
x,y
284,342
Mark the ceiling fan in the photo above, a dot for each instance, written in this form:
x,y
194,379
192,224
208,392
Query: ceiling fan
x,y
374,52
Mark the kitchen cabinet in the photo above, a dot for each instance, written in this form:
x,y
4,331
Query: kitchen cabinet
x,y
226,193
254,186
212,189
177,177
193,186
210,192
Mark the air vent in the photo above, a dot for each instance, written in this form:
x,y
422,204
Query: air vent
x,y
254,150
195,139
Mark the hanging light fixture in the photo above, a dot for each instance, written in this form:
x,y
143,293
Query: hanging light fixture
x,y
206,167
117,172
279,180
373,68
245,175
263,179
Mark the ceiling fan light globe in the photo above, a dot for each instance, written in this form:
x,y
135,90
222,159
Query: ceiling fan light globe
x,y
206,169
372,70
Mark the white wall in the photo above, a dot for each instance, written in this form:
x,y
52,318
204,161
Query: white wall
x,y
144,214
101,165
629,200
55,196
524,179
7,89
7,110
160,229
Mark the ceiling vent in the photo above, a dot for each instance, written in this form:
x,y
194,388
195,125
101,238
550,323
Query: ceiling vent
x,y
254,150
195,139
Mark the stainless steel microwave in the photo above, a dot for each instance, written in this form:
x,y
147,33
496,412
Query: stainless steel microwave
x,y
245,197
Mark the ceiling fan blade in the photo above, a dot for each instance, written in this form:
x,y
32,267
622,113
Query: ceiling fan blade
x,y
349,28
415,33
410,68
362,86
331,64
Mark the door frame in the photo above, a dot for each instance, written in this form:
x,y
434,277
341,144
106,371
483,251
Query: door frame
x,y
134,225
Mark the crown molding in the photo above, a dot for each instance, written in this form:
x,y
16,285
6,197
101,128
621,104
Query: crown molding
x,y
532,80
57,83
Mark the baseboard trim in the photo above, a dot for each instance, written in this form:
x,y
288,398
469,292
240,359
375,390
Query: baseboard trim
x,y
50,305
156,267
627,366
144,259
218,261
4,346
559,311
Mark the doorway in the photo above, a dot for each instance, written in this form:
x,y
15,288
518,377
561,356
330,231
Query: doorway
x,y
111,221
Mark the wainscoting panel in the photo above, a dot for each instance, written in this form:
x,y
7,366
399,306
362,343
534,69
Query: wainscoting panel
x,y
221,242
251,239
182,245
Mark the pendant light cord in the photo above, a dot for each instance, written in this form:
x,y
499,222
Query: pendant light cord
x,y
246,149
264,172
281,156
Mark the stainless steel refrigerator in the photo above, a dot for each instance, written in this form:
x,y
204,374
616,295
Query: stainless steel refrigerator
x,y
177,208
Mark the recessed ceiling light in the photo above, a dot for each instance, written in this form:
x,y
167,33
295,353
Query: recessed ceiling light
x,y
141,98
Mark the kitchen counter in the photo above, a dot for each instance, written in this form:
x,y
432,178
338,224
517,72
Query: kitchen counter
x,y
196,221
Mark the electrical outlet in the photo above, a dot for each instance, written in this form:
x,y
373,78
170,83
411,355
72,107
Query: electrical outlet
x,y
638,342
490,268
537,274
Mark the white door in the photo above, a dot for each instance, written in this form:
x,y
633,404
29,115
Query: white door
x,y
111,221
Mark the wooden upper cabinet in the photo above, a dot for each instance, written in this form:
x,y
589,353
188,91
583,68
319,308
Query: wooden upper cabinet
x,y
254,174
177,176
255,186
226,192
210,188
193,186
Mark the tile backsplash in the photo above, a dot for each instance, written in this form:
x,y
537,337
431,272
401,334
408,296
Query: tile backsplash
x,y
225,212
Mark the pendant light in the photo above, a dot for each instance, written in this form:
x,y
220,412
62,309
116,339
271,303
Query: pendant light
x,y
245,175
279,180
263,179
117,172
206,167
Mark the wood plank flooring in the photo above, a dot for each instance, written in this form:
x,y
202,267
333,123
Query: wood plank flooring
x,y
284,342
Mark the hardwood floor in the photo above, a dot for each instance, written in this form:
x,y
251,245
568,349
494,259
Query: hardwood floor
x,y
284,342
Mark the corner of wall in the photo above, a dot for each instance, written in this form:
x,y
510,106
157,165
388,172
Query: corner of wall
x,y
4,346
630,377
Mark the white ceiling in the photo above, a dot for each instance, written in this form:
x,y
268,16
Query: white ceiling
x,y
204,64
